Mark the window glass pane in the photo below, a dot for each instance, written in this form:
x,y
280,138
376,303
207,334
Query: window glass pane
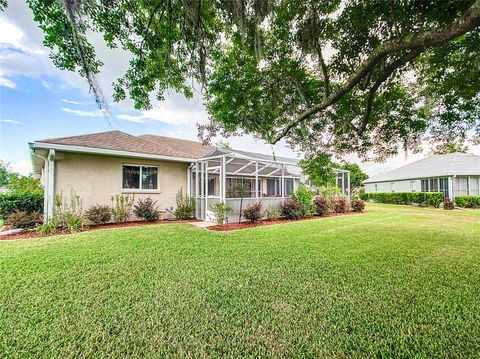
x,y
288,186
273,187
131,177
149,177
211,186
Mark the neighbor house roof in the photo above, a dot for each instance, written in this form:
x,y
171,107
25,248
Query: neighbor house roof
x,y
148,144
459,164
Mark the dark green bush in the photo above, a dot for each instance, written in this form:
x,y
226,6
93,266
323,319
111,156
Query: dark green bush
x,y
25,202
468,201
185,206
291,209
22,219
146,210
253,212
420,198
99,214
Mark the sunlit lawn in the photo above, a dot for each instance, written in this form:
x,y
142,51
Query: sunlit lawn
x,y
395,281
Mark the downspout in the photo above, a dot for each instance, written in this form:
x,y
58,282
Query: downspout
x,y
51,182
45,185
189,180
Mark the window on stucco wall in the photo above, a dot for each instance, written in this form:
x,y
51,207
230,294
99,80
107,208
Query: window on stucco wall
x,y
139,177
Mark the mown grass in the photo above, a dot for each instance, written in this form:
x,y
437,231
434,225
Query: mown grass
x,y
396,281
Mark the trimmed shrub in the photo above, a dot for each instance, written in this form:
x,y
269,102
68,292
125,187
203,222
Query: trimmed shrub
x,y
253,212
22,219
448,204
291,209
272,213
304,196
468,201
420,198
322,206
24,202
220,211
340,205
357,205
146,210
185,206
122,207
363,196
99,214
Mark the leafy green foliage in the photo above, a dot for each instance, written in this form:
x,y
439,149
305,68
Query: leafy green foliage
x,y
468,201
399,71
25,202
304,195
146,210
291,209
24,184
420,198
253,212
99,214
68,212
122,207
221,211
46,228
185,206
23,219
272,213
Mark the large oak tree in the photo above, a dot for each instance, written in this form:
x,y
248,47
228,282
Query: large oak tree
x,y
327,76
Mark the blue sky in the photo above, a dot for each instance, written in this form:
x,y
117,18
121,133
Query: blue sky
x,y
39,101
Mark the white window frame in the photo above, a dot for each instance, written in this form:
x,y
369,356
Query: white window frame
x,y
138,190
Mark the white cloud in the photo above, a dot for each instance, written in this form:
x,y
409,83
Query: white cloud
x,y
12,122
76,102
162,114
24,167
7,83
94,113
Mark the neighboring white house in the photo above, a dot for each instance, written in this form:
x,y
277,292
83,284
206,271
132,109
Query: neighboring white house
x,y
454,174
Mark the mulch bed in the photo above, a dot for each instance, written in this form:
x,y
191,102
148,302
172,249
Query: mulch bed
x,y
93,227
265,222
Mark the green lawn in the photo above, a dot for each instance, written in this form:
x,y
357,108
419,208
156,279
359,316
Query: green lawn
x,y
395,281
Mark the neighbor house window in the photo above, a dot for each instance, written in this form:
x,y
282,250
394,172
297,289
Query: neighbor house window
x,y
392,186
376,187
435,185
139,177
413,186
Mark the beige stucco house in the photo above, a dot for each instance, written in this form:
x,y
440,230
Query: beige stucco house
x,y
101,165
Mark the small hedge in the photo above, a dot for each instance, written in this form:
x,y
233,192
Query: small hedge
x,y
468,201
25,202
421,198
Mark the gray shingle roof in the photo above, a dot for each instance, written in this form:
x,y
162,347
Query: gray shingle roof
x,y
460,164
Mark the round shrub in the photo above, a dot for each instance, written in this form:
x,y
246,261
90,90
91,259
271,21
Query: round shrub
x,y
358,205
322,206
146,210
99,214
340,205
448,204
253,212
291,209
24,219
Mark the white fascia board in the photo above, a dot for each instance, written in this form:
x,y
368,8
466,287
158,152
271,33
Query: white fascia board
x,y
107,152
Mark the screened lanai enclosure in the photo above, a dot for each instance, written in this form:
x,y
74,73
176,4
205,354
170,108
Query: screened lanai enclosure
x,y
238,178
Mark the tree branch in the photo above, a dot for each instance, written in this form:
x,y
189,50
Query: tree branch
x,y
383,77
467,22
323,67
